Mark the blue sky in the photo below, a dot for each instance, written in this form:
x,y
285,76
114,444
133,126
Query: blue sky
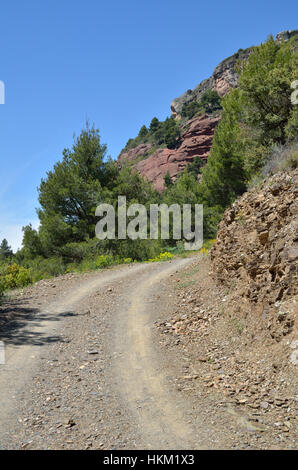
x,y
117,63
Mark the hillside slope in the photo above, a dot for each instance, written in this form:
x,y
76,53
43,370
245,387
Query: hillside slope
x,y
256,251
240,344
155,161
196,133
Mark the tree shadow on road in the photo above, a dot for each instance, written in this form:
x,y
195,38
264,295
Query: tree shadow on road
x,y
17,324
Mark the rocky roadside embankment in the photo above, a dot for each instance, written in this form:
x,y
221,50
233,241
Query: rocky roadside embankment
x,y
241,342
256,254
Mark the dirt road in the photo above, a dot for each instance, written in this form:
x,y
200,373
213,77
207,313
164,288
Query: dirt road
x,y
40,401
88,367
158,412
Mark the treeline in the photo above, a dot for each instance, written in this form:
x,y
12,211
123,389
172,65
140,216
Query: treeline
x,y
68,196
257,117
165,133
257,134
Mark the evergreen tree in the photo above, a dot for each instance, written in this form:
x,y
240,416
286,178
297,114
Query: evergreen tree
x,y
224,175
265,82
31,242
171,133
143,131
168,180
154,125
189,110
72,190
256,116
210,101
196,166
5,250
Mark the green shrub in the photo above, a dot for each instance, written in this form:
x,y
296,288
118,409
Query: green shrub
x,y
43,268
189,110
196,166
2,289
76,252
103,261
139,250
161,257
14,276
178,249
210,101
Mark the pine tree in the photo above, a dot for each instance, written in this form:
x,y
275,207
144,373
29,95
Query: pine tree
x,y
224,175
5,250
168,180
154,125
143,131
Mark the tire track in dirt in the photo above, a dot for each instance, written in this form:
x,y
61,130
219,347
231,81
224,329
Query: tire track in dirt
x,y
141,379
22,360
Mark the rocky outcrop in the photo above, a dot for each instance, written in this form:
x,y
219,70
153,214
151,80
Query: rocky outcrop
x,y
286,35
196,141
256,252
222,80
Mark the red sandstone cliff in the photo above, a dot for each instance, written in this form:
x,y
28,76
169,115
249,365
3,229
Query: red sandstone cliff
x,y
196,140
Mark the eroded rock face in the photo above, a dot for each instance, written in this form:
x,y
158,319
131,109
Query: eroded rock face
x,y
256,252
196,141
222,80
286,35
